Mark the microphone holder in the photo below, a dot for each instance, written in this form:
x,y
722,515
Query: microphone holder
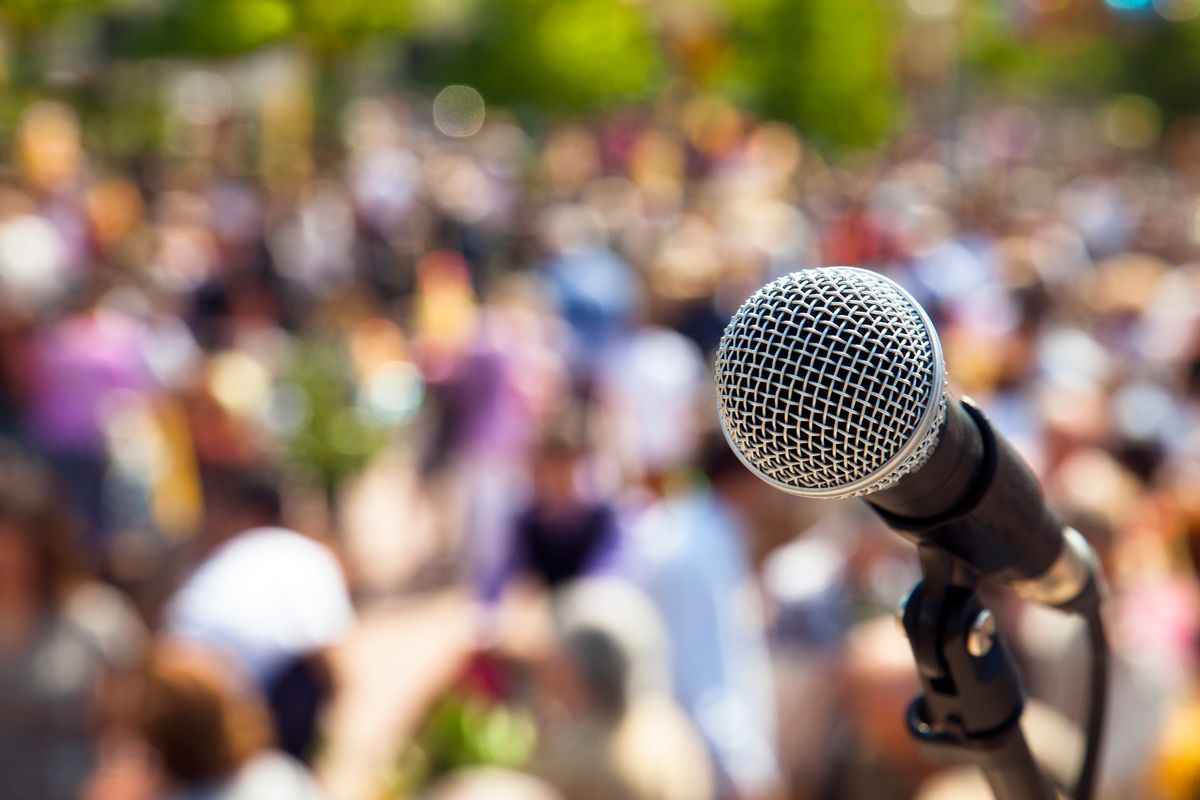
x,y
970,711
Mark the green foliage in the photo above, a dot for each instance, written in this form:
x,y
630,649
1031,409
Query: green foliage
x,y
824,65
996,56
553,55
464,731
331,26
334,438
1164,65
31,14
220,28
214,28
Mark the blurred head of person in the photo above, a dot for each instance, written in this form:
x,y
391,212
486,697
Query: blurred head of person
x,y
613,640
242,499
725,472
618,734
37,564
769,517
558,461
198,720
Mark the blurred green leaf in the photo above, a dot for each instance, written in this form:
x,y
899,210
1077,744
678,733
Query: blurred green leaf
x,y
1164,65
997,55
552,55
824,65
213,28
29,14
335,441
330,26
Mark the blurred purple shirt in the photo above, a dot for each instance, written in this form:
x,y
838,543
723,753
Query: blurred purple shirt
x,y
77,366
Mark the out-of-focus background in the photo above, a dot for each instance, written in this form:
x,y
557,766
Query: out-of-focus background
x,y
359,438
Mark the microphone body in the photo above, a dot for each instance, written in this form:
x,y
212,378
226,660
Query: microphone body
x,y
831,384
977,499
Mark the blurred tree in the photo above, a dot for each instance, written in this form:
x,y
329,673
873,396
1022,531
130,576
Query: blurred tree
x,y
233,27
33,14
335,27
1076,57
551,55
335,440
824,65
24,21
1163,63
211,28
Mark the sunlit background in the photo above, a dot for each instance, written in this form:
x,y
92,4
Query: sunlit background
x,y
358,431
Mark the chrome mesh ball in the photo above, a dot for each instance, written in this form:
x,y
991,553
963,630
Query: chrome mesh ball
x,y
830,382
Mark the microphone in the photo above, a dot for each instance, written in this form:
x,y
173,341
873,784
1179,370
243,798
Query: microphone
x,y
831,384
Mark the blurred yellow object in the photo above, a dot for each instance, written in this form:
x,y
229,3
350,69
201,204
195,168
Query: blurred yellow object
x,y
175,495
375,343
657,156
446,312
114,208
1176,768
287,125
1132,122
150,441
239,383
48,146
1124,283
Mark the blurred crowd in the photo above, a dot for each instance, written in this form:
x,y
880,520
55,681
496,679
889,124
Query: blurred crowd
x,y
209,354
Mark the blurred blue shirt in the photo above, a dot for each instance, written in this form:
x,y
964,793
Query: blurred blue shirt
x,y
690,559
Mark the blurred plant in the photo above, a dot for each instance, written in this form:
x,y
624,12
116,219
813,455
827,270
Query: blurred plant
x,y
334,27
24,15
823,65
551,56
213,28
1164,65
324,429
464,730
1077,58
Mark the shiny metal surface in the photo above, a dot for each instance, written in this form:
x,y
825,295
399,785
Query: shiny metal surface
x,y
831,383
1067,577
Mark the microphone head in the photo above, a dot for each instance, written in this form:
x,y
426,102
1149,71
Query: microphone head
x,y
831,383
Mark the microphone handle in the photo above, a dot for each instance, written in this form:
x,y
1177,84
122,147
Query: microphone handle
x,y
978,500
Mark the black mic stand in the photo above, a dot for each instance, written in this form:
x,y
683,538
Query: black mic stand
x,y
970,711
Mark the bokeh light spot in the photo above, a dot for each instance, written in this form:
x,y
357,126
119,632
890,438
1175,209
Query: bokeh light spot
x,y
1177,10
1132,122
459,111
933,8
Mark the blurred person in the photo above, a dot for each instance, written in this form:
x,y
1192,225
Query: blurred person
x,y
490,396
78,368
651,394
612,731
876,759
198,734
1152,621
593,288
565,531
66,644
690,554
273,599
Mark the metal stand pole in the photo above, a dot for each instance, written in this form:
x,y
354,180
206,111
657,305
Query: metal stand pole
x,y
970,710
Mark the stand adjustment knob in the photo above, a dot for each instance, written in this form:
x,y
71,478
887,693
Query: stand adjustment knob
x,y
982,634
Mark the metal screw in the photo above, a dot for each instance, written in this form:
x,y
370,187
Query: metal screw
x,y
982,634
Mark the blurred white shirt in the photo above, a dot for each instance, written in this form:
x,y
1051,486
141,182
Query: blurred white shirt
x,y
265,597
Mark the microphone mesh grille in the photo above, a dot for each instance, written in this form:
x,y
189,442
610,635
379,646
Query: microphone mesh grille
x,y
825,382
